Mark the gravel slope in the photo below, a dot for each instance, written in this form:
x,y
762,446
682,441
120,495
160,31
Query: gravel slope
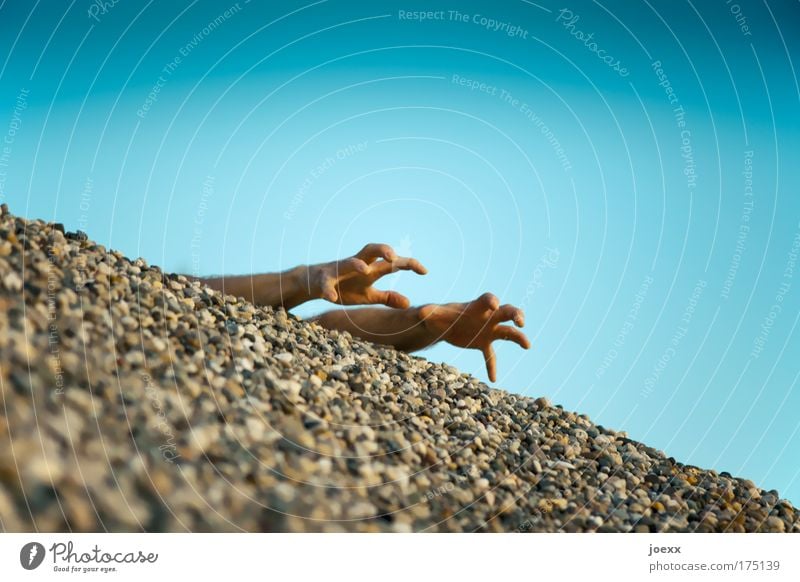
x,y
133,400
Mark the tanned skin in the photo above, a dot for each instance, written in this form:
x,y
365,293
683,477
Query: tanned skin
x,y
474,324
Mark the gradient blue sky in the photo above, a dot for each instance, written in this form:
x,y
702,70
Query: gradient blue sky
x,y
649,264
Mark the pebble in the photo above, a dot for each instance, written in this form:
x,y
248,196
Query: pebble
x,y
174,407
12,281
284,358
775,524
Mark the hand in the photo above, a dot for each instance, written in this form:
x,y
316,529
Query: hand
x,y
349,282
476,324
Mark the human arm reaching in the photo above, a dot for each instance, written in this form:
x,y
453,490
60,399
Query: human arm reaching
x,y
346,282
473,324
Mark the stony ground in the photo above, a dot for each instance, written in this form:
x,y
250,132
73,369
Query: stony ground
x,y
135,400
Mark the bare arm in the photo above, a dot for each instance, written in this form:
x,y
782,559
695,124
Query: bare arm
x,y
400,328
347,282
474,324
287,289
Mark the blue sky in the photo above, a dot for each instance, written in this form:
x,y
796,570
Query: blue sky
x,y
626,173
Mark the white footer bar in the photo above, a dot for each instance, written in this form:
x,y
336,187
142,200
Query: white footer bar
x,y
401,557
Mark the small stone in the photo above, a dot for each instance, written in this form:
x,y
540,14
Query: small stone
x,y
775,524
602,440
337,375
142,400
79,236
12,281
284,358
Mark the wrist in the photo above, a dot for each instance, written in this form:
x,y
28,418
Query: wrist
x,y
298,285
422,314
422,320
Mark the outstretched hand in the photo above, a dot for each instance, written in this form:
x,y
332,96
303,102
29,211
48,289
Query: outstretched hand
x,y
349,281
476,324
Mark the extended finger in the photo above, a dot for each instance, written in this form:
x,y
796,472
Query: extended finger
x,y
381,268
491,362
351,265
413,265
506,332
487,302
388,298
329,290
509,313
376,251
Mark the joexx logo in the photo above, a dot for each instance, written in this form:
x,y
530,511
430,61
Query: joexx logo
x,y
31,555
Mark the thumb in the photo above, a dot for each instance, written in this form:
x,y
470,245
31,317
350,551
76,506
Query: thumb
x,y
390,299
329,290
491,362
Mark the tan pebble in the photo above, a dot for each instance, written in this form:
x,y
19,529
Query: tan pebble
x,y
776,524
12,281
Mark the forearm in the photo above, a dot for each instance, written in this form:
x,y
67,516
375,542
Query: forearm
x,y
403,329
287,289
